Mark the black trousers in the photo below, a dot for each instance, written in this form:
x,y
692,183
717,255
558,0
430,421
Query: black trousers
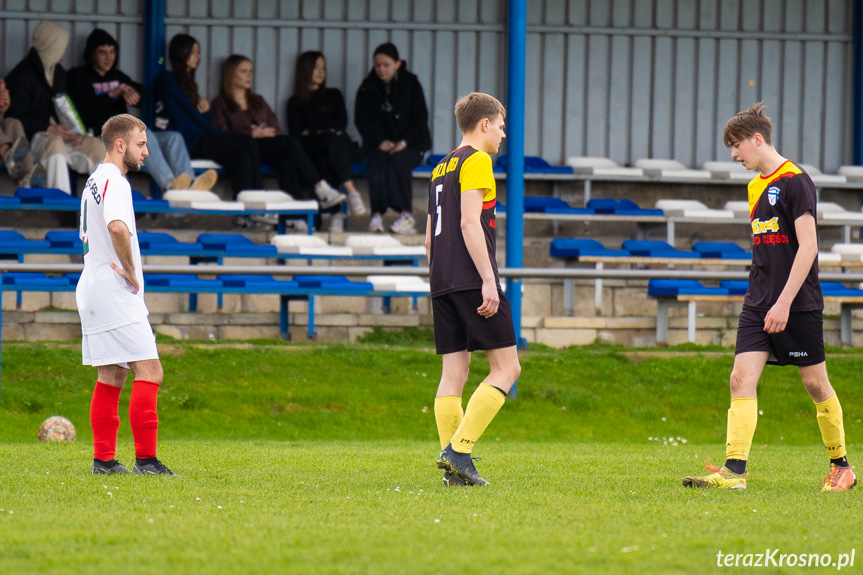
x,y
390,179
236,153
296,171
333,154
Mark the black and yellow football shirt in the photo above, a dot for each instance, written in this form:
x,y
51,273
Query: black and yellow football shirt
x,y
775,202
451,268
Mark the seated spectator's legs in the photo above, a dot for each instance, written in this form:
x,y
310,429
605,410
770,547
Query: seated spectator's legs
x,y
333,153
11,129
156,164
379,167
237,153
86,155
400,179
173,149
50,151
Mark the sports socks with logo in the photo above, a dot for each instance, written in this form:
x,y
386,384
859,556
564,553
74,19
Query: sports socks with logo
x,y
829,416
742,419
143,418
105,420
484,404
448,414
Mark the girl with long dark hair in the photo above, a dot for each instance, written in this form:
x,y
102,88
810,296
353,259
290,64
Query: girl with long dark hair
x,y
318,117
180,107
239,110
391,114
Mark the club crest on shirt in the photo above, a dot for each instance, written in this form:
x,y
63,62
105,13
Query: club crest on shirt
x,y
772,195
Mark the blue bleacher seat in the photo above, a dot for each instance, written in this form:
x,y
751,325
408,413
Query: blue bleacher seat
x,y
661,287
655,249
340,283
574,248
46,196
735,287
12,242
34,280
236,245
143,204
181,281
838,289
535,164
431,162
542,205
622,207
724,250
9,201
65,240
253,282
160,243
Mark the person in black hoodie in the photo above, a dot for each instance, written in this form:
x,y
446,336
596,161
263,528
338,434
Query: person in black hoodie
x,y
100,91
33,84
391,114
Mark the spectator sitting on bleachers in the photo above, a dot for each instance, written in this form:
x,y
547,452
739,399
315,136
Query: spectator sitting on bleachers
x,y
33,85
14,149
318,117
100,90
179,107
391,114
239,110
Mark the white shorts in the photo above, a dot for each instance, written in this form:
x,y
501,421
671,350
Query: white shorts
x,y
132,342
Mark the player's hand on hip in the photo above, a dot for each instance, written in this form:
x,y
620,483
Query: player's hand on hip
x,y
776,319
490,300
131,279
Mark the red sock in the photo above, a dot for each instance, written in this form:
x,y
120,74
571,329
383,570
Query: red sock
x,y
105,420
143,418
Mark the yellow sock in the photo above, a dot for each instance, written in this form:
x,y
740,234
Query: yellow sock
x,y
829,415
484,404
742,418
448,415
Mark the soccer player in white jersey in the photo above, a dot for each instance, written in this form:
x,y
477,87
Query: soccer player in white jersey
x,y
117,336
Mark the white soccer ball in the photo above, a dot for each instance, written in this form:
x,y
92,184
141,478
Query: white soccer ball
x,y
57,429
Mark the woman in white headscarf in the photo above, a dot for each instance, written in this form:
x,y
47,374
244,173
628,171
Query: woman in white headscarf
x,y
32,85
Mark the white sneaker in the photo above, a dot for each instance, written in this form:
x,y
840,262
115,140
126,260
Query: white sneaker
x,y
299,226
327,195
337,224
376,224
355,203
268,219
16,159
404,225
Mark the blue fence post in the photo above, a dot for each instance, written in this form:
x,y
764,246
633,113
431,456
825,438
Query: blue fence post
x,y
516,46
858,84
154,61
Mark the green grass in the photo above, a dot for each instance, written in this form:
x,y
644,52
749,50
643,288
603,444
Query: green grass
x,y
321,459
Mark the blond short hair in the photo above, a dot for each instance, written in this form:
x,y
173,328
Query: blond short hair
x,y
470,110
120,127
746,124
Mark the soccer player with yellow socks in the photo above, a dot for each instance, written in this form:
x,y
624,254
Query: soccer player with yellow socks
x,y
470,310
781,322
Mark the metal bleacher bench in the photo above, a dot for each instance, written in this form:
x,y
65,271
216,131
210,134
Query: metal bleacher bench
x,y
300,287
691,292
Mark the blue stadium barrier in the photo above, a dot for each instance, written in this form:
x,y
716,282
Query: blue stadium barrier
x,y
656,249
721,250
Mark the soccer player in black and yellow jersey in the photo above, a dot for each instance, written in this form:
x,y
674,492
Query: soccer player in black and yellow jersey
x,y
781,322
470,310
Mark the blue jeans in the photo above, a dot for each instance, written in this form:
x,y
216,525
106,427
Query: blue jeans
x,y
168,157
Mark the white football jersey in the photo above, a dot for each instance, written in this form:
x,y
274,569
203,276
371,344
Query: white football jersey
x,y
105,300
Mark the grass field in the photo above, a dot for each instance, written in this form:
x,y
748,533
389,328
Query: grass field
x,y
320,459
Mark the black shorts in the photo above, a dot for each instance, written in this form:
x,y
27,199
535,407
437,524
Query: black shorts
x,y
800,344
458,327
